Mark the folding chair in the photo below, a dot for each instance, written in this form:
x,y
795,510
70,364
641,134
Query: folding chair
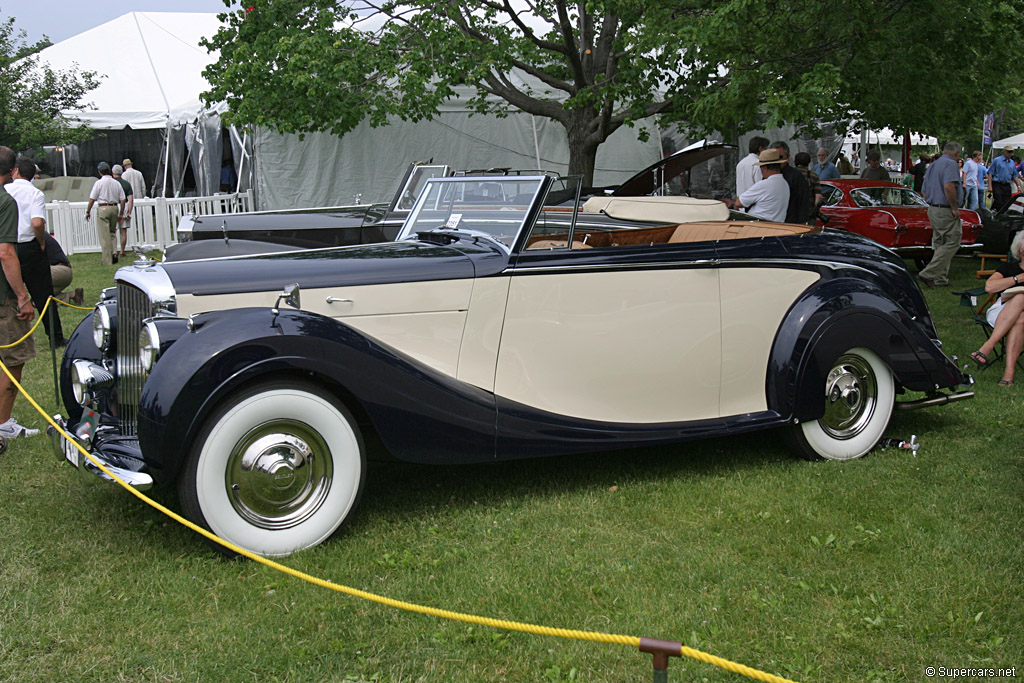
x,y
970,297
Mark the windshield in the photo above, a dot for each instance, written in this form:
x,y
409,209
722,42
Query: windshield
x,y
497,206
887,196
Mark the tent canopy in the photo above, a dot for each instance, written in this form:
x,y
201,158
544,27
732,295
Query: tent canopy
x,y
1015,141
150,66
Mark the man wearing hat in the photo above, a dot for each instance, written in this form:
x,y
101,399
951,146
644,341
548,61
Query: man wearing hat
x,y
1003,172
108,194
768,198
135,179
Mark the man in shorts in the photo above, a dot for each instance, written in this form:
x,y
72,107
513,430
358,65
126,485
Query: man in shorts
x,y
16,311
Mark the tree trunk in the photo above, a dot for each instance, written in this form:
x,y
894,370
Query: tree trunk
x,y
582,145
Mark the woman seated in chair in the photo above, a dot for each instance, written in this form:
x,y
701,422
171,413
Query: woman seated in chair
x,y
1006,315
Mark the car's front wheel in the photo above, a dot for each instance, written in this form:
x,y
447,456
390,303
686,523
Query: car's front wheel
x,y
277,468
859,395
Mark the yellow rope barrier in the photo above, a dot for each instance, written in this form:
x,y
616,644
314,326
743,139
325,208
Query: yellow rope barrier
x,y
39,319
593,636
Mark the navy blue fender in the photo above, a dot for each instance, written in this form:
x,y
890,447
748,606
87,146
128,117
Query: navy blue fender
x,y
840,314
421,415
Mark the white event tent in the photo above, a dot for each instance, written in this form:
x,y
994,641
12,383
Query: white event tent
x,y
1015,141
151,67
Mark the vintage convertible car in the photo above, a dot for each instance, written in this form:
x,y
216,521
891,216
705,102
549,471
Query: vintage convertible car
x,y
259,232
498,326
890,214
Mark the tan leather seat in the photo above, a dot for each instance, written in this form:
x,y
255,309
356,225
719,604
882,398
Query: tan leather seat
x,y
734,230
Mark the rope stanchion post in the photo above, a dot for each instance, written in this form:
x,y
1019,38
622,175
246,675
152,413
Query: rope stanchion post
x,y
51,312
661,650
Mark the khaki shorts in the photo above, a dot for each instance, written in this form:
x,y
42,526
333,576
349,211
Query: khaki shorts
x,y
11,330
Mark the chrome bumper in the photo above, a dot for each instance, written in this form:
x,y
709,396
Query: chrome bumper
x,y
113,461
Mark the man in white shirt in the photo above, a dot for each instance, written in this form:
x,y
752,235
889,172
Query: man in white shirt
x,y
135,179
108,194
35,268
972,189
747,170
769,197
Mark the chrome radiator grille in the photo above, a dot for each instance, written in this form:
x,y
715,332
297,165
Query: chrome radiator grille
x,y
133,306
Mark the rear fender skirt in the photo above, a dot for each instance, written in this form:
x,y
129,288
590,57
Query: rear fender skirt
x,y
840,315
420,414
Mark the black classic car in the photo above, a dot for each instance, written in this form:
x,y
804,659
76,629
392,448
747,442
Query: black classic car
x,y
1002,225
260,232
501,324
257,232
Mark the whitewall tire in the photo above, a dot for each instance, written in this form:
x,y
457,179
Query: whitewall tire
x,y
276,468
859,395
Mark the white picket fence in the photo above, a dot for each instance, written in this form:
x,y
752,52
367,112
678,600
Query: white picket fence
x,y
154,221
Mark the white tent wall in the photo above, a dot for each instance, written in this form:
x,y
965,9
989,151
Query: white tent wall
x,y
367,164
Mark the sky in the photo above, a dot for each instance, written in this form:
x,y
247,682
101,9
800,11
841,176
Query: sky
x,y
60,19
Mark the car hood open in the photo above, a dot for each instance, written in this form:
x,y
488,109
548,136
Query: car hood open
x,y
657,174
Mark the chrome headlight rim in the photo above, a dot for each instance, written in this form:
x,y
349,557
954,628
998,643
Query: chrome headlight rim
x,y
149,345
88,380
102,327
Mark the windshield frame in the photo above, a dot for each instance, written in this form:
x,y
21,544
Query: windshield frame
x,y
437,190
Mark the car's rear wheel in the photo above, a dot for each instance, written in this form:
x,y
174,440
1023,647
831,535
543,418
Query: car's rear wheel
x,y
859,395
275,469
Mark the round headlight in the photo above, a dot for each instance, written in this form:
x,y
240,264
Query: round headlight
x,y
149,345
101,327
89,379
78,387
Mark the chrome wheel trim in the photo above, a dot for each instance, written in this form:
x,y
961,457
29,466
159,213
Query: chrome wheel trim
x,y
279,474
851,394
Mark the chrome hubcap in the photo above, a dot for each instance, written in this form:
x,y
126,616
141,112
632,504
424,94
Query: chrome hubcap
x,y
279,474
851,392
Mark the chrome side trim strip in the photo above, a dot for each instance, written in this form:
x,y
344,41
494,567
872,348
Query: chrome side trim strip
x,y
832,265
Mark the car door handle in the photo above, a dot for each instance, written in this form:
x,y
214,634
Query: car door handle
x,y
336,300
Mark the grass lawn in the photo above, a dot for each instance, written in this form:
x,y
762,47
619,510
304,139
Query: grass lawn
x,y
866,571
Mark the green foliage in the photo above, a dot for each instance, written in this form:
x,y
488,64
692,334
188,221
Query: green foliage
x,y
33,96
730,65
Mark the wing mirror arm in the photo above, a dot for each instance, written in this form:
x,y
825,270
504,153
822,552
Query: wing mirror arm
x,y
290,295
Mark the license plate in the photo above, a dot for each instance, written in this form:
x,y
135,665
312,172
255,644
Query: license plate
x,y
71,453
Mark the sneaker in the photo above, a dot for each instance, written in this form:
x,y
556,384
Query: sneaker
x,y
12,430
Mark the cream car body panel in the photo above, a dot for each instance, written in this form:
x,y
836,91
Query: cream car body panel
x,y
344,302
657,328
754,300
479,355
424,320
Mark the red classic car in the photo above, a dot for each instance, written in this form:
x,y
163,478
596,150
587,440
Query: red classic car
x,y
890,214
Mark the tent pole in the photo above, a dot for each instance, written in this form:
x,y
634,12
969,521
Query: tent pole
x,y
167,158
241,162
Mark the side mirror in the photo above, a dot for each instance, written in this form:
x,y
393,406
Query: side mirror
x,y
290,295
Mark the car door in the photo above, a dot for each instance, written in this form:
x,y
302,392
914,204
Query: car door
x,y
622,334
